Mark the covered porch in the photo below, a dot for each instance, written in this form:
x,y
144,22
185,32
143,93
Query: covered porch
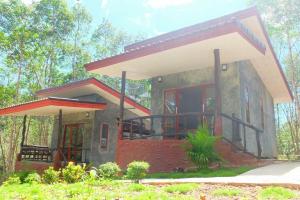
x,y
69,145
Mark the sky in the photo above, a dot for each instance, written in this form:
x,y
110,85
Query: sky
x,y
154,17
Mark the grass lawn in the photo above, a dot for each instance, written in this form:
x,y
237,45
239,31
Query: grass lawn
x,y
130,191
222,172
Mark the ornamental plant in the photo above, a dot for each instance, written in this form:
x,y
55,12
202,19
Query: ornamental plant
x,y
50,176
200,147
109,170
73,173
33,178
137,170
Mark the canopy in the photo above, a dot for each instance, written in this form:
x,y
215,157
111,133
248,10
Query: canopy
x,y
51,106
93,86
239,36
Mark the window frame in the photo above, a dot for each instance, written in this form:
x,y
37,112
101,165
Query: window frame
x,y
107,139
247,102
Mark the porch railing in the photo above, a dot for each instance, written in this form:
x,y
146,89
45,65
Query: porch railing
x,y
241,135
166,126
36,153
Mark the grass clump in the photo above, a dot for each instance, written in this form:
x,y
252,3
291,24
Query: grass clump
x,y
181,188
136,187
276,193
226,192
204,173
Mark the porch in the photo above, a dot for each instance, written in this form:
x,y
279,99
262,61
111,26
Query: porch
x,y
69,145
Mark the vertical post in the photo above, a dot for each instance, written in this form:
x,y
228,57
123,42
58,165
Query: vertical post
x,y
19,156
58,153
23,131
258,144
121,118
218,104
122,98
245,140
59,129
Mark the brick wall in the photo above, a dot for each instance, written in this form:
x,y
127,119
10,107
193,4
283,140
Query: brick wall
x,y
163,155
32,166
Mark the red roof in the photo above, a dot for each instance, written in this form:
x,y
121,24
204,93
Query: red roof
x,y
51,106
100,85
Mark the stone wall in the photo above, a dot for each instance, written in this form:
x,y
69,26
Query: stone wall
x,y
257,91
92,123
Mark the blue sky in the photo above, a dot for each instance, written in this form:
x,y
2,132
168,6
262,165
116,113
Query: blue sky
x,y
154,17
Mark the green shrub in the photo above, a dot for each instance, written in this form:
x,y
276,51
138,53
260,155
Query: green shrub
x,y
73,173
137,170
200,148
276,193
109,170
23,175
181,188
12,180
33,178
50,176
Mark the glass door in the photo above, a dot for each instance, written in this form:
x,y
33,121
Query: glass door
x,y
72,142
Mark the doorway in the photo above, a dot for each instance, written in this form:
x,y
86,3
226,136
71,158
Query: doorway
x,y
73,142
186,106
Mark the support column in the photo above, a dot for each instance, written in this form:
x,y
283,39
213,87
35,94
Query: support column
x,y
122,98
218,100
19,157
23,130
121,117
57,157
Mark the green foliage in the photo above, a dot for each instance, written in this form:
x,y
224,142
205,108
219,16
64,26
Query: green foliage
x,y
137,170
137,187
33,178
109,170
200,148
181,188
50,176
226,192
276,193
73,173
12,180
222,172
23,175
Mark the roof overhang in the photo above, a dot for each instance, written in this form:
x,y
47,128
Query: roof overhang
x,y
93,86
239,36
51,106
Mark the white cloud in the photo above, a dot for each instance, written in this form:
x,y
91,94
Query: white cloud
x,y
104,4
156,4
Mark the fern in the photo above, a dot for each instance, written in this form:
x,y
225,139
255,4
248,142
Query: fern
x,y
200,147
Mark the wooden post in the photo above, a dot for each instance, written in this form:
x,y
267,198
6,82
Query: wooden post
x,y
218,102
258,144
121,117
122,98
23,131
58,153
19,156
59,129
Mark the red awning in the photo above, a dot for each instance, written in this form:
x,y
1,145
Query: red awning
x,y
51,106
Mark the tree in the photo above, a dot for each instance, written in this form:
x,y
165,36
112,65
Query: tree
x,y
282,18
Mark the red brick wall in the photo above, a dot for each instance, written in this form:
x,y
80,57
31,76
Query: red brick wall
x,y
163,155
31,166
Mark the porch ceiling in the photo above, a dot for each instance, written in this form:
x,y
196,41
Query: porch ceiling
x,y
51,106
239,36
